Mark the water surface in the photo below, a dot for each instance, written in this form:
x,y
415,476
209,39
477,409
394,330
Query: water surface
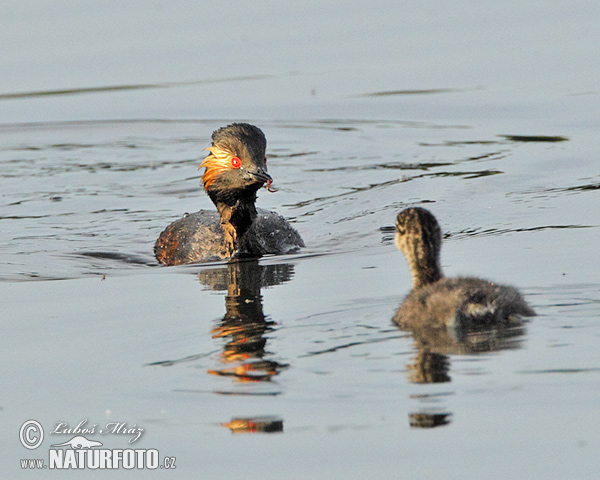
x,y
485,114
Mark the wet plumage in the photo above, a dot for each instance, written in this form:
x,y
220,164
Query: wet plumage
x,y
235,170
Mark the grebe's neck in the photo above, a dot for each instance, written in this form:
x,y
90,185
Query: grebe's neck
x,y
419,238
238,211
424,268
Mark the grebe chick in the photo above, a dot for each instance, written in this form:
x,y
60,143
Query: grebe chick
x,y
437,301
235,170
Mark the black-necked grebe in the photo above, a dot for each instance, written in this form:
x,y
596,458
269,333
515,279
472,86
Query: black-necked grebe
x,y
438,301
235,170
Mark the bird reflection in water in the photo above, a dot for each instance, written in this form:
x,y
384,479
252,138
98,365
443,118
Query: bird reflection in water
x,y
255,425
428,420
434,344
244,328
431,364
244,325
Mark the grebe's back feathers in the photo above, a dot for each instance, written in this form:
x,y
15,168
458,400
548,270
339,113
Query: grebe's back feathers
x,y
199,237
270,233
196,237
466,300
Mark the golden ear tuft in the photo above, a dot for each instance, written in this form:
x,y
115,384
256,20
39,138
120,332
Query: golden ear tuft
x,y
215,163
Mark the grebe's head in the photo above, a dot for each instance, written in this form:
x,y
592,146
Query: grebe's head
x,y
419,237
237,159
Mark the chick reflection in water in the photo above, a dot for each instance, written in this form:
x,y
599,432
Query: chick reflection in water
x,y
244,325
449,316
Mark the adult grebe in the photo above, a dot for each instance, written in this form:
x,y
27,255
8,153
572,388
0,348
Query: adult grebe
x,y
235,170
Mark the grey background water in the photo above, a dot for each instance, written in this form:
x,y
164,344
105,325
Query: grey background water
x,y
486,113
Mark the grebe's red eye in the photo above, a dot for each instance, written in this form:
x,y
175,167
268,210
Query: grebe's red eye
x,y
236,162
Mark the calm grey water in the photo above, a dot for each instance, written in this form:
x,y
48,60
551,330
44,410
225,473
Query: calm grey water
x,y
485,113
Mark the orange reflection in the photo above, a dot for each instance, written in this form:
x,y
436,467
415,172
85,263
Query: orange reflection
x,y
255,425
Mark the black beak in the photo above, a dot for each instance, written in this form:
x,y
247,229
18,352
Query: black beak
x,y
260,174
